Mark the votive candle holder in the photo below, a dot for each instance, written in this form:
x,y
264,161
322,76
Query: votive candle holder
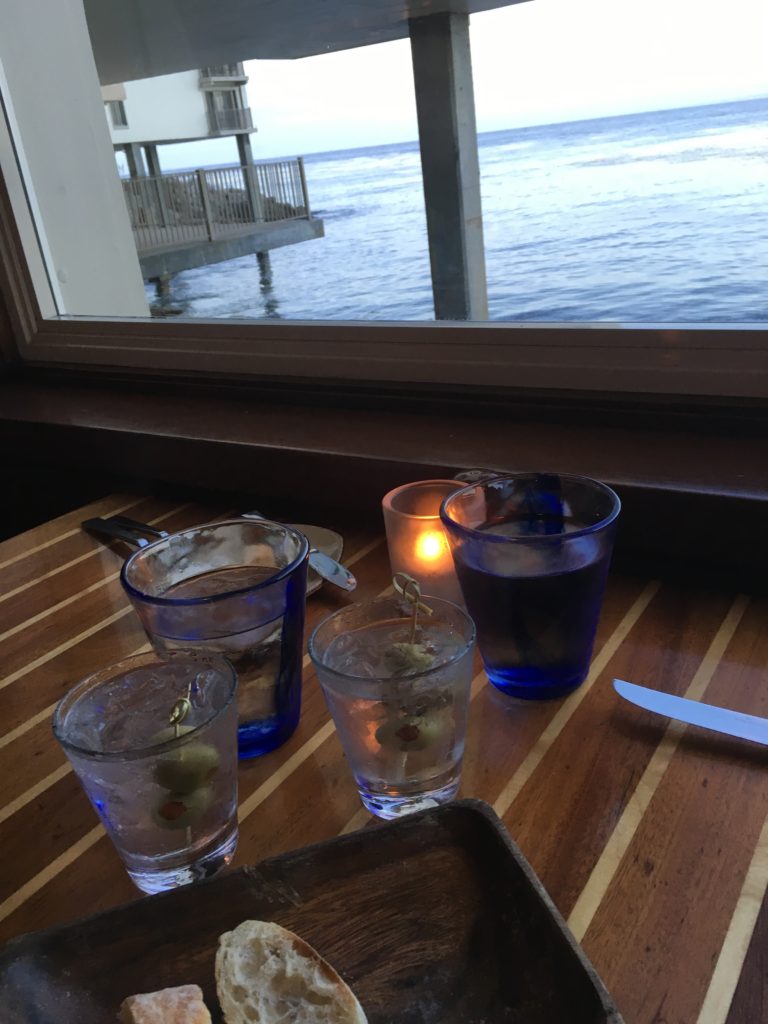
x,y
416,538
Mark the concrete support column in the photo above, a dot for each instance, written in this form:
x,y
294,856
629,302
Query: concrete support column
x,y
442,72
153,160
91,266
271,305
244,150
245,154
133,154
162,286
162,211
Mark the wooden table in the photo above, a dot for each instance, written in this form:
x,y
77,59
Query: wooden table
x,y
651,839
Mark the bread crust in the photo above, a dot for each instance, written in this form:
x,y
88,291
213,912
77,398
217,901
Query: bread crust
x,y
180,1005
265,972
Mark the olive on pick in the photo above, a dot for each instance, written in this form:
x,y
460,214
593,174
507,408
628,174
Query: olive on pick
x,y
404,659
185,769
180,810
406,734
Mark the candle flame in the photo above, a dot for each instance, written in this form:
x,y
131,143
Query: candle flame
x,y
431,546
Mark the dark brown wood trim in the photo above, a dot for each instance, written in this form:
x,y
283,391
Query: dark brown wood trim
x,y
697,413
733,463
19,309
695,499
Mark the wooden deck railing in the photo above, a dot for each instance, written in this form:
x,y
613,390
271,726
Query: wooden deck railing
x,y
213,203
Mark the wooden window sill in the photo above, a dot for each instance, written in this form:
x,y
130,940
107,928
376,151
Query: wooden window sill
x,y
692,496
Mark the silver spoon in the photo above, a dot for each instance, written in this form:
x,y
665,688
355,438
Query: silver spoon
x,y
133,532
325,566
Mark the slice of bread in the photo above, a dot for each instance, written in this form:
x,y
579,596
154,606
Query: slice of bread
x,y
267,975
181,1005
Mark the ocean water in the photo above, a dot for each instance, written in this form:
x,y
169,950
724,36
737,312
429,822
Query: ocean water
x,y
656,217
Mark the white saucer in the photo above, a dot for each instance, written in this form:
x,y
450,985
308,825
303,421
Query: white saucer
x,y
327,541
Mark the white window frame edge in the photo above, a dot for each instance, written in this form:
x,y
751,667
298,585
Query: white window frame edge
x,y
25,211
716,363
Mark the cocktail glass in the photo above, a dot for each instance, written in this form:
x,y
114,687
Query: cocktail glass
x,y
236,588
399,698
532,553
165,793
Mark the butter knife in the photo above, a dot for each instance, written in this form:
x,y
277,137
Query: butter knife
x,y
708,716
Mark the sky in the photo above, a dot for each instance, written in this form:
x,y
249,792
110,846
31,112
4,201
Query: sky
x,y
540,62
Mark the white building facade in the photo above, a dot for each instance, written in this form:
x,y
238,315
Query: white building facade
x,y
183,107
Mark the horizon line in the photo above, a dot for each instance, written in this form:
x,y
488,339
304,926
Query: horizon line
x,y
488,131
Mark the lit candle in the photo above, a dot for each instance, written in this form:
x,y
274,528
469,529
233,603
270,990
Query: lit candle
x,y
431,546
415,538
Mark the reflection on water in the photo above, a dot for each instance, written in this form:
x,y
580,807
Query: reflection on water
x,y
271,303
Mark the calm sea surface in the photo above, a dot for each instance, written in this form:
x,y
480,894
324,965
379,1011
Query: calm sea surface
x,y
646,217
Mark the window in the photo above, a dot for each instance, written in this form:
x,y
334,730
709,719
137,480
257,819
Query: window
x,y
96,305
117,113
226,110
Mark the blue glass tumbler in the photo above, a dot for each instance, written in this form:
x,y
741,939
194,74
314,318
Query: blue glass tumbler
x,y
235,588
532,553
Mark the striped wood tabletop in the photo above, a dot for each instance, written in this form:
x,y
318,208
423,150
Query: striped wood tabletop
x,y
651,840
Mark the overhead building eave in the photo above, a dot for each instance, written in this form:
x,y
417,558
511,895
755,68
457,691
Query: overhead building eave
x,y
135,39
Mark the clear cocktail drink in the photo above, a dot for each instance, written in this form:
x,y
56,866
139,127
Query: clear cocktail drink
x,y
166,793
399,699
235,588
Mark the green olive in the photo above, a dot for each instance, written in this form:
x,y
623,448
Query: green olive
x,y
180,810
406,734
407,659
184,770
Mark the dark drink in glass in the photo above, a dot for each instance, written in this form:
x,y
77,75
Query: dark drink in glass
x,y
532,554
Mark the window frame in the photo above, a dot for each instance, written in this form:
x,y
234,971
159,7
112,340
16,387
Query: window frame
x,y
716,362
117,114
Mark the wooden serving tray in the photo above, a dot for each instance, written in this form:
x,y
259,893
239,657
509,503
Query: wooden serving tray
x,y
436,918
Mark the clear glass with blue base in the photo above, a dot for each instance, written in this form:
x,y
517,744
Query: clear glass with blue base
x,y
235,588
